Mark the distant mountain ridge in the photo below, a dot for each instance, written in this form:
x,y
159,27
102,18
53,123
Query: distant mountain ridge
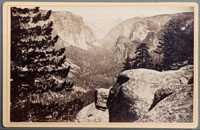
x,y
136,28
124,38
101,27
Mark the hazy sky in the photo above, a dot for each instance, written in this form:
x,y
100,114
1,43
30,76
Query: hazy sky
x,y
106,17
114,12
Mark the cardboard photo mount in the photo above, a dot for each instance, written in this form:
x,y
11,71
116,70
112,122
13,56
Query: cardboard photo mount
x,y
6,67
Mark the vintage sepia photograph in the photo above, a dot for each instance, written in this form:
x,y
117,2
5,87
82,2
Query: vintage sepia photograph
x,y
75,63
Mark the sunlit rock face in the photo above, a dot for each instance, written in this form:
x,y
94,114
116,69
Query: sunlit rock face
x,y
101,96
72,29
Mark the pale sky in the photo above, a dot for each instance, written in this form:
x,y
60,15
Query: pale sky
x,y
114,12
106,17
102,18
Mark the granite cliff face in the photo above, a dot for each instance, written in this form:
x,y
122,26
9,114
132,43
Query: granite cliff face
x,y
72,29
72,32
124,47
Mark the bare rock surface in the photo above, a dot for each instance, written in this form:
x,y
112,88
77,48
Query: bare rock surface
x,y
91,114
96,111
139,91
177,107
101,96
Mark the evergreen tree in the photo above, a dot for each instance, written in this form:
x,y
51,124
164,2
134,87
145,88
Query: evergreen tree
x,y
36,66
142,59
127,63
176,44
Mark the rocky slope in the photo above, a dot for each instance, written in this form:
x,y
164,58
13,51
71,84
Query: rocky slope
x,y
137,30
138,96
72,29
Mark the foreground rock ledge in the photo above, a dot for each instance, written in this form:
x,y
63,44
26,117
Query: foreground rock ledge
x,y
144,95
176,108
91,114
97,111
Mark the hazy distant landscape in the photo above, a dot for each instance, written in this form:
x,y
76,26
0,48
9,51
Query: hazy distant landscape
x,y
121,71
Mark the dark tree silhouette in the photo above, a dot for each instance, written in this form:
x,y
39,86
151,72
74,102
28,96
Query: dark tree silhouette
x,y
36,66
142,59
176,44
128,63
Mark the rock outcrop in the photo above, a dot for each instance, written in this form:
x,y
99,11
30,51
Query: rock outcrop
x,y
97,111
139,92
91,114
177,107
101,96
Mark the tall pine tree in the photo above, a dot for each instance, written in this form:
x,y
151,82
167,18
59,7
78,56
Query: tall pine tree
x,y
142,59
36,66
128,63
176,44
